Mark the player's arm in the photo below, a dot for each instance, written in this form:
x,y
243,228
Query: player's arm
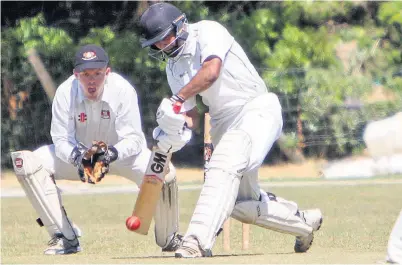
x,y
62,126
204,78
131,139
214,42
63,132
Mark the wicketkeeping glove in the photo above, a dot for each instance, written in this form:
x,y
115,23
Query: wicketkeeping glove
x,y
95,162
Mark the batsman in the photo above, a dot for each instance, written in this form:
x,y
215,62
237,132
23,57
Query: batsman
x,y
204,59
96,129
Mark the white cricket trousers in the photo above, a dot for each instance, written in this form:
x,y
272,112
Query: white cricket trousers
x,y
261,119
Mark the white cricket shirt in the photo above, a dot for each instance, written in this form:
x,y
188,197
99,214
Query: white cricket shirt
x,y
115,119
238,82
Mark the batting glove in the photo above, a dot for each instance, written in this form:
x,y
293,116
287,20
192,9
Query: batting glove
x,y
167,118
169,143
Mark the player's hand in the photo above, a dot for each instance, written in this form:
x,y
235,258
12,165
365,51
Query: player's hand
x,y
102,162
168,116
86,163
77,154
169,143
93,163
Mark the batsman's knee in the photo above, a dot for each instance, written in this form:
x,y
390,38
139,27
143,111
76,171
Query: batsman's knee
x,y
232,153
26,164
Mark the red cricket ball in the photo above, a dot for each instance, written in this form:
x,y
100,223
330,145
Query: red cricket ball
x,y
133,223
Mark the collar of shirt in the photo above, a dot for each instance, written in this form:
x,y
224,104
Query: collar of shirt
x,y
191,42
106,94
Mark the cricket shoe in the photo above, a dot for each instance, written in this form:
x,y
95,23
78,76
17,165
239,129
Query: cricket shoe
x,y
190,248
314,219
303,243
59,245
174,244
388,260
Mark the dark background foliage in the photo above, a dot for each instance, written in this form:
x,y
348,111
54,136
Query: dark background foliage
x,y
325,61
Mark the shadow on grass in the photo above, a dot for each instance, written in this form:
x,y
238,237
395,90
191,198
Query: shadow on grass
x,y
214,256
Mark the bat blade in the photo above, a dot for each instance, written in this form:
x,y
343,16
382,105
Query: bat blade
x,y
151,188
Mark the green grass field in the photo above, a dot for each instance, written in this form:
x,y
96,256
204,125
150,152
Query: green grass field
x,y
357,223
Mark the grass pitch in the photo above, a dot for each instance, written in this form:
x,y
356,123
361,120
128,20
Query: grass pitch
x,y
357,223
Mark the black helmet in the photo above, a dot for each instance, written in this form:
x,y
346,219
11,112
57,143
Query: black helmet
x,y
158,21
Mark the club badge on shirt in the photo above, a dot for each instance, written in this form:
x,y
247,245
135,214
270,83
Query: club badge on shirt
x,y
82,117
105,114
19,162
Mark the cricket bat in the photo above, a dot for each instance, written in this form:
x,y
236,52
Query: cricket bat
x,y
151,189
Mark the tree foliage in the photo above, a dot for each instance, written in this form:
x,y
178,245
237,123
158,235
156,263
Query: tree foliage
x,y
294,45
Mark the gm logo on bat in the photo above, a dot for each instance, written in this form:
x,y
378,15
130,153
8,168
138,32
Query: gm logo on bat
x,y
159,162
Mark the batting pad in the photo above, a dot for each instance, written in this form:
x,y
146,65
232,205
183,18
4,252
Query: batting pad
x,y
271,215
221,187
167,214
214,206
171,174
291,205
42,193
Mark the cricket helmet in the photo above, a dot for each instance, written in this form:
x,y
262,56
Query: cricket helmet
x,y
158,21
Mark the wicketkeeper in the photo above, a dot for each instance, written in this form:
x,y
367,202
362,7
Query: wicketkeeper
x,y
96,129
204,59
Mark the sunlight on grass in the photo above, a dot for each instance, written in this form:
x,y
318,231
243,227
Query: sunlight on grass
x,y
357,223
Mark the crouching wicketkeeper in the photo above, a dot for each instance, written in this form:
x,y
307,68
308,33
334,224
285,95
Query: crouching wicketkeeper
x,y
93,104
